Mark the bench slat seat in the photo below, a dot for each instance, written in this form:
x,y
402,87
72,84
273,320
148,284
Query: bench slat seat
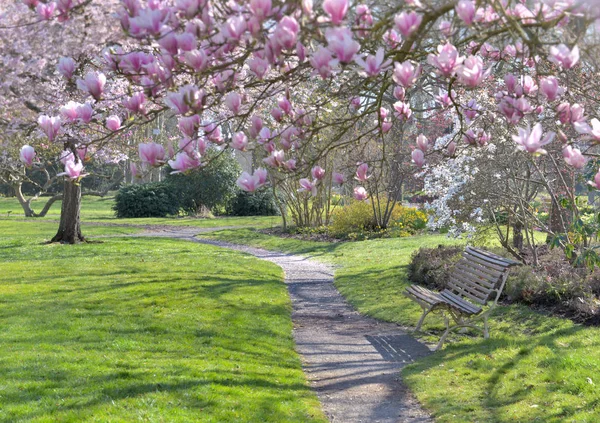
x,y
478,278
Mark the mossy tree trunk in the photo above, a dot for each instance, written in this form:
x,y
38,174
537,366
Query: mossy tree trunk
x,y
69,230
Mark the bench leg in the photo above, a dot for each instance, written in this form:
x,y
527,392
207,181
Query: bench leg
x,y
443,338
486,332
425,313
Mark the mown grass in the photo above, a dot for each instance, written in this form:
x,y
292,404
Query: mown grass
x,y
99,210
534,368
150,330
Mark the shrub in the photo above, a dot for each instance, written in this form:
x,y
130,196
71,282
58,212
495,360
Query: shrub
x,y
258,203
211,187
431,267
155,199
351,220
408,218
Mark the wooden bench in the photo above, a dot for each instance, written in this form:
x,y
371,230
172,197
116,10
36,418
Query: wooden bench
x,y
478,278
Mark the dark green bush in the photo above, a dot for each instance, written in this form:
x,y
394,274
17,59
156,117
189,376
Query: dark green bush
x,y
156,199
431,267
259,203
211,187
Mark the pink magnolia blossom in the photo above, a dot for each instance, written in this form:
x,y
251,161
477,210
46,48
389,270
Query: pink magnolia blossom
x,y
251,183
184,162
285,105
528,85
69,111
317,173
233,101
50,126
386,125
133,169
186,42
286,33
445,28
338,178
322,61
585,128
66,67
152,153
186,145
261,9
418,157
406,74
550,89
561,55
135,103
596,183
392,38
407,23
399,93
113,123
213,132
239,141
471,72
336,9
66,156
341,43
383,113
85,112
73,170
256,125
444,99
577,113
196,59
234,28
531,140
402,110
258,66
573,157
373,65
290,164
355,104
447,59
93,83
277,114
361,172
27,154
471,110
451,149
189,125
308,186
275,159
465,9
422,143
45,11
360,194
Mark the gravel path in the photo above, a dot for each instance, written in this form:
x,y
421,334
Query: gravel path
x,y
353,362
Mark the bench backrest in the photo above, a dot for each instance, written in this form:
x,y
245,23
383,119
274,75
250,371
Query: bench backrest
x,y
480,274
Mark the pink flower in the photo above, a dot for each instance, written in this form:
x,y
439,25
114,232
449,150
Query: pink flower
x,y
261,175
451,149
285,105
277,114
45,11
336,9
407,23
189,125
360,194
445,28
422,143
286,33
69,111
233,101
444,99
338,178
596,183
152,153
386,125
133,169
531,140
256,125
317,173
322,61
573,157
585,128
406,73
465,9
550,88
290,164
50,126
403,110
471,72
93,84
187,145
528,85
418,157
239,141
27,154
73,170
258,66
361,172
186,41
66,67
234,28
561,55
135,103
184,162
399,93
251,183
307,186
275,159
213,132
373,65
447,59
341,43
113,123
261,9
196,59
85,112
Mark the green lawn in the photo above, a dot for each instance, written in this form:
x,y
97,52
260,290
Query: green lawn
x,y
533,369
96,209
152,330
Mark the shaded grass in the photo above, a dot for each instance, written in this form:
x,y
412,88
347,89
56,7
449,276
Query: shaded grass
x,y
534,368
144,330
96,209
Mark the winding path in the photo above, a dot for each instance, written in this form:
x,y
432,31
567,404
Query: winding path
x,y
352,362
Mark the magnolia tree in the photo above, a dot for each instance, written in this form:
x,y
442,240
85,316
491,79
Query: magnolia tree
x,y
262,74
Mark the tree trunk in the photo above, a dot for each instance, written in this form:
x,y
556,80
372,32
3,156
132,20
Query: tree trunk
x,y
518,236
22,201
69,230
